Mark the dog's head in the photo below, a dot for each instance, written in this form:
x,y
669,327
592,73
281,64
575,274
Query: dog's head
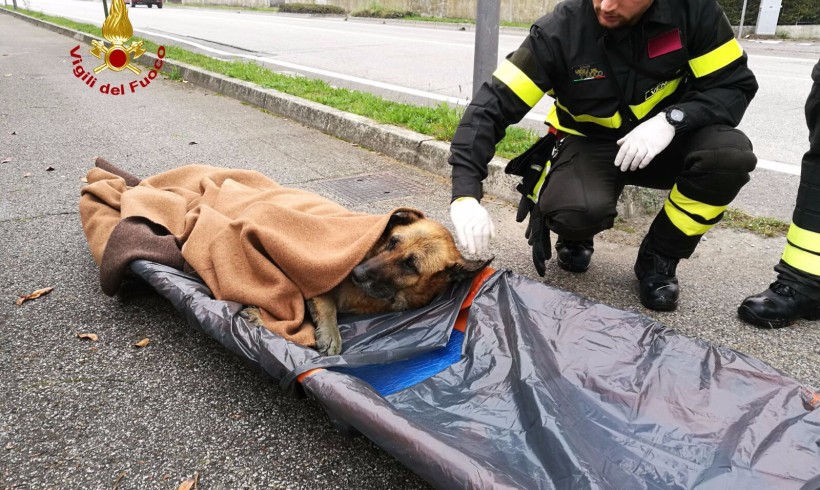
x,y
414,260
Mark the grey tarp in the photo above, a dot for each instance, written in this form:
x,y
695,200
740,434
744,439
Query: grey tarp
x,y
547,390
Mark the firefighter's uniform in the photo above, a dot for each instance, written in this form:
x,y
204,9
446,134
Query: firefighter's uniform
x,y
799,267
681,53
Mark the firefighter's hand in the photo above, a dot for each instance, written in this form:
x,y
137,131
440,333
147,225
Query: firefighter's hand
x,y
472,222
643,143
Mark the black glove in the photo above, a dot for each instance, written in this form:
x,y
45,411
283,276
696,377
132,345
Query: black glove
x,y
529,166
538,236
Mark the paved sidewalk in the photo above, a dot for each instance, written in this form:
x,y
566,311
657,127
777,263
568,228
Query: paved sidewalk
x,y
79,414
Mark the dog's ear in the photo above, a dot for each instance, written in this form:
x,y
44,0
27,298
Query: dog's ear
x,y
466,268
401,218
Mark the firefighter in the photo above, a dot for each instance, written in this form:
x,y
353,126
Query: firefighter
x,y
645,93
796,291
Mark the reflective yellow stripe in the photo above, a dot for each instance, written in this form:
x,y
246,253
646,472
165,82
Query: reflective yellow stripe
x,y
707,211
802,260
716,59
537,189
646,106
519,83
612,122
683,222
552,120
804,239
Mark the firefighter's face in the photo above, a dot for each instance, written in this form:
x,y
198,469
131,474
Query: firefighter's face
x,y
618,13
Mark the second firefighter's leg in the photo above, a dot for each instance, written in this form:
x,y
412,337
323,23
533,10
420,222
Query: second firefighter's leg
x,y
796,292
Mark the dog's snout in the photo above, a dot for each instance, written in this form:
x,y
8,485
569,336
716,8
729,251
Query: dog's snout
x,y
361,273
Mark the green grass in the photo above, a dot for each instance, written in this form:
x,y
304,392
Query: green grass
x,y
174,74
378,11
768,227
438,122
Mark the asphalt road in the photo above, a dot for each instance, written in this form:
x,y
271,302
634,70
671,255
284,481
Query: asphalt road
x,y
427,63
79,414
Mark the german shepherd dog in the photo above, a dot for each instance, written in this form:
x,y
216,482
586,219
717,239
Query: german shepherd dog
x,y
413,261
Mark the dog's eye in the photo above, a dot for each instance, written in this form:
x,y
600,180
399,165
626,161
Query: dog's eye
x,y
391,244
409,264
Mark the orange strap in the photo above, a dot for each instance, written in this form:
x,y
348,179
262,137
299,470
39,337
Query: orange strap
x,y
478,280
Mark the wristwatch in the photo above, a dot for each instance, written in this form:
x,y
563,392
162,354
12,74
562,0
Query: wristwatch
x,y
676,117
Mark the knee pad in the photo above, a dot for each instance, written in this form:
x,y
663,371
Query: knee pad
x,y
717,174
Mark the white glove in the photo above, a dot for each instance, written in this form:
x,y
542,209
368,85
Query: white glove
x,y
643,143
472,222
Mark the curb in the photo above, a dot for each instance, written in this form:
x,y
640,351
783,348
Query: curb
x,y
398,143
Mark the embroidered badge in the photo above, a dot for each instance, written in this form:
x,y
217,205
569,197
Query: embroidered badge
x,y
657,88
665,43
587,72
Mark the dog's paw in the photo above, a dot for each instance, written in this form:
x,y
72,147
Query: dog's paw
x,y
328,341
253,315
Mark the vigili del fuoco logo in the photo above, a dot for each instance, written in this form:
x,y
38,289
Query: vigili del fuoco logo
x,y
117,57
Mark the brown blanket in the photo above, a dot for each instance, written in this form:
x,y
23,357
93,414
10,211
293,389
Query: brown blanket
x,y
251,240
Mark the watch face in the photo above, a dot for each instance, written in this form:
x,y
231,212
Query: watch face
x,y
676,115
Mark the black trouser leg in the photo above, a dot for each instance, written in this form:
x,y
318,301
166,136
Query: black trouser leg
x,y
705,170
582,188
800,265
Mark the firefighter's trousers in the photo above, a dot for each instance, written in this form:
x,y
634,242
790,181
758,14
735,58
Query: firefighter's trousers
x,y
704,170
800,265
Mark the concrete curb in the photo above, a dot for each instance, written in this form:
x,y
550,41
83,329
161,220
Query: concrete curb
x,y
398,143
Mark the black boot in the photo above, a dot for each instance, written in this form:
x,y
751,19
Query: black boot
x,y
777,307
659,288
574,255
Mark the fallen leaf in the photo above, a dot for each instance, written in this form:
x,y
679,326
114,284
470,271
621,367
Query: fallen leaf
x,y
7,75
190,483
90,336
118,481
34,295
6,160
83,179
26,175
193,143
49,169
9,446
143,342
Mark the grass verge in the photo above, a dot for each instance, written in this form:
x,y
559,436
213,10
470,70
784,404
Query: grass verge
x,y
768,227
438,122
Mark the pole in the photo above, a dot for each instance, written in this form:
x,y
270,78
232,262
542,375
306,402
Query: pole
x,y
742,17
488,13
105,8
15,4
